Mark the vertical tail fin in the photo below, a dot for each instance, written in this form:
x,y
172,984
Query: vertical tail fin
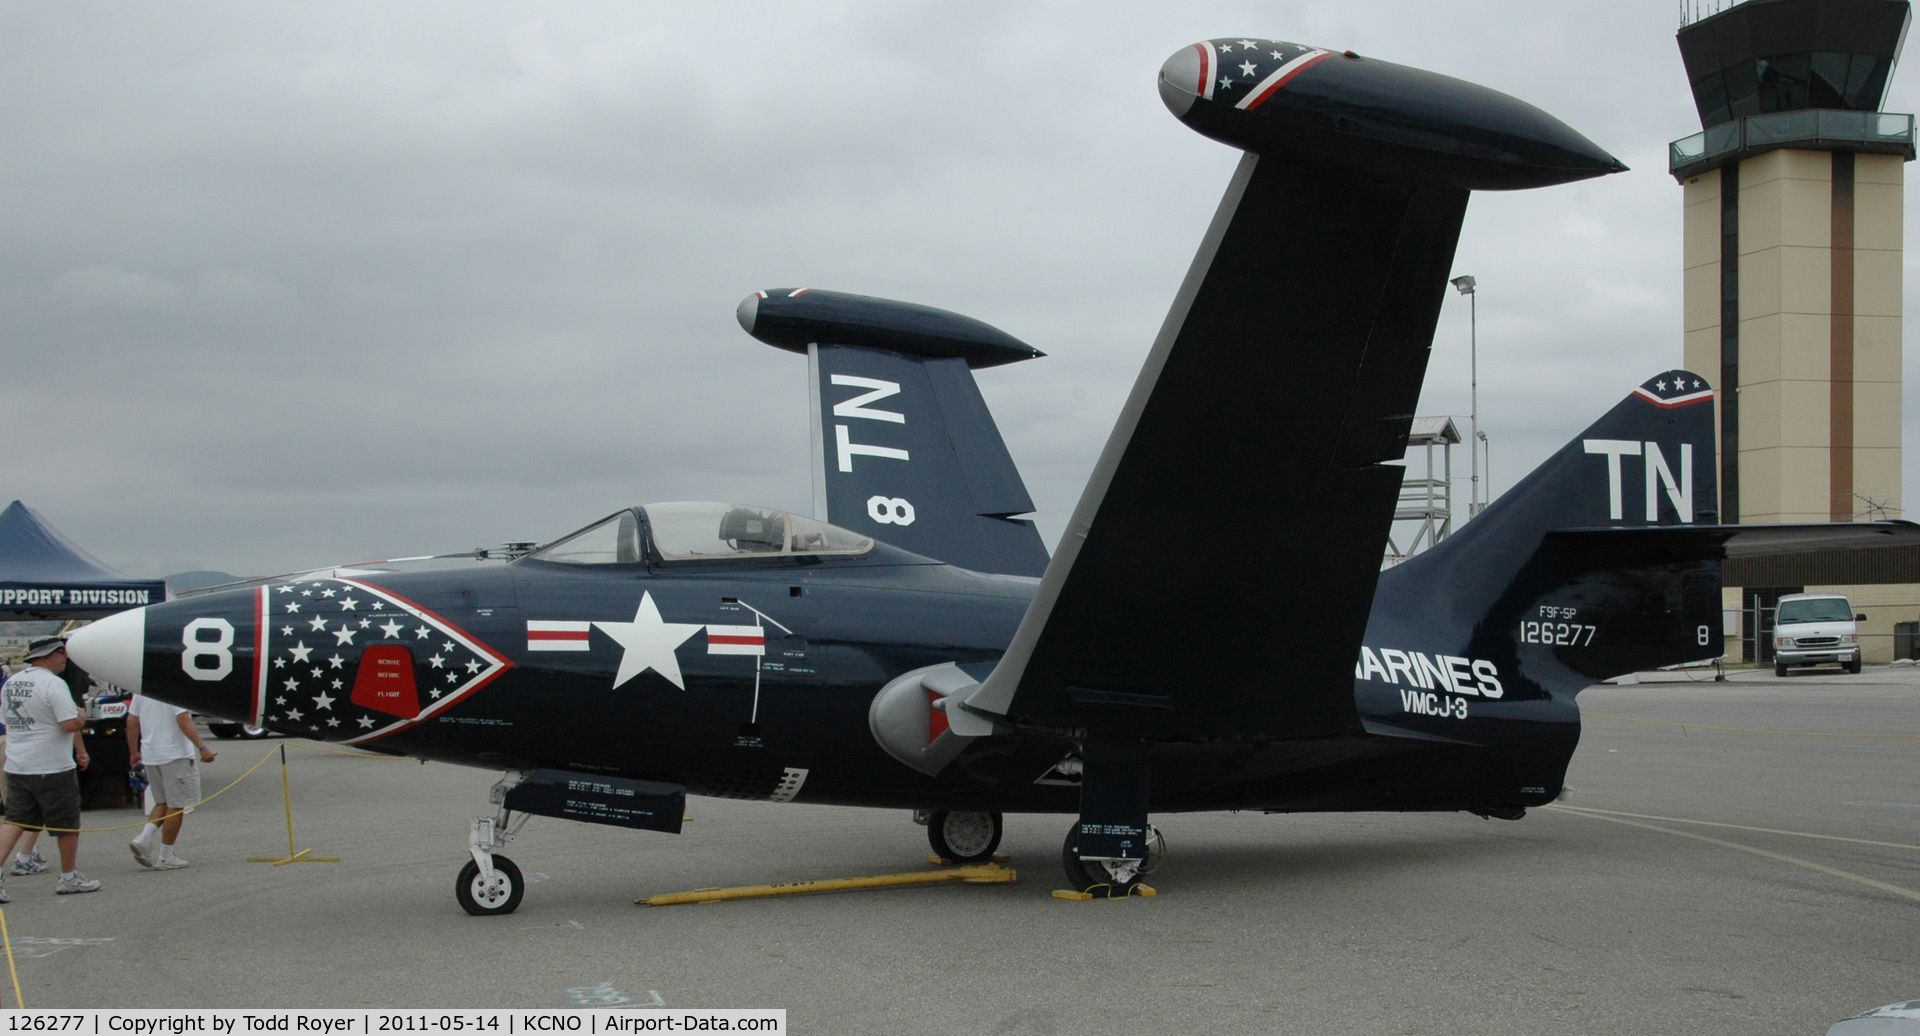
x,y
904,448
1599,604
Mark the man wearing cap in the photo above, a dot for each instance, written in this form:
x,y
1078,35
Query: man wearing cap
x,y
43,744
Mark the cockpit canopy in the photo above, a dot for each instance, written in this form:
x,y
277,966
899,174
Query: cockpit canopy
x,y
701,530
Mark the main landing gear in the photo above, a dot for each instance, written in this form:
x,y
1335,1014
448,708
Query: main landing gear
x,y
490,883
963,836
1116,879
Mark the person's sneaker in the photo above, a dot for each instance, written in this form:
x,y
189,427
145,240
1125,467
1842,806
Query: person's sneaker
x,y
142,852
169,863
31,865
76,884
4,898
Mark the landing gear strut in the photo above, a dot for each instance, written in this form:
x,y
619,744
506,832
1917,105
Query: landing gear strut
x,y
490,883
964,836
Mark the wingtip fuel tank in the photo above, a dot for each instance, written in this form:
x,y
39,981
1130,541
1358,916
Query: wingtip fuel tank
x,y
1317,106
793,318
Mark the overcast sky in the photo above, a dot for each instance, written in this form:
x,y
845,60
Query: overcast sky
x,y
291,285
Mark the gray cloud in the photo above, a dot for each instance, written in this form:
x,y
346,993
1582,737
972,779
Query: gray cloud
x,y
288,286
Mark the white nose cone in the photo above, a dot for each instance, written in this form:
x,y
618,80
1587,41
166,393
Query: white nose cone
x,y
113,649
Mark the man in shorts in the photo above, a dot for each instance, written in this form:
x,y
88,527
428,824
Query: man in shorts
x,y
43,745
163,738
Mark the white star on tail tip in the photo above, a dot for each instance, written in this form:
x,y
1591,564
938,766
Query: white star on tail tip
x,y
648,643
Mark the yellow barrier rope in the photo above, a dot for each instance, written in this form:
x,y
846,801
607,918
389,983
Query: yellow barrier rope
x,y
1742,730
210,798
18,1004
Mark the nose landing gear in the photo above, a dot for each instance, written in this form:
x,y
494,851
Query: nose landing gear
x,y
489,883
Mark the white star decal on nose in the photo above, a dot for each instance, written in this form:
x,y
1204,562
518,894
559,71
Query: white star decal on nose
x,y
648,642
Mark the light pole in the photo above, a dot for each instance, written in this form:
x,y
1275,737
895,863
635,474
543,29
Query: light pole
x,y
1464,284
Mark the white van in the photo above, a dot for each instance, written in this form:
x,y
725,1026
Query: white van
x,y
1813,628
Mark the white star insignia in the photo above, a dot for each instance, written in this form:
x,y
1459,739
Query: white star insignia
x,y
286,631
292,607
420,634
348,605
1246,68
472,666
306,593
377,605
280,700
317,674
336,685
318,623
344,635
391,629
364,623
322,701
294,714
437,661
300,651
1247,44
448,646
336,661
328,592
648,642
292,684
332,722
1276,55
284,589
1225,83
366,721
279,663
451,677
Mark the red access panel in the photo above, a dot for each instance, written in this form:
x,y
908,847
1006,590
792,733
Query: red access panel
x,y
385,681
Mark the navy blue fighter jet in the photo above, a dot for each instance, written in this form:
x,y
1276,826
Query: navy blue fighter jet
x,y
1214,630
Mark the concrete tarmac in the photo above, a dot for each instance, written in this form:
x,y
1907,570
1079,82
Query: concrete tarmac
x,y
1564,922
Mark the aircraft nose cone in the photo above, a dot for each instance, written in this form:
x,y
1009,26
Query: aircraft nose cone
x,y
748,312
114,648
197,653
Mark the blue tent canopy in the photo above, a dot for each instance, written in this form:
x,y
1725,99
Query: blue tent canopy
x,y
43,575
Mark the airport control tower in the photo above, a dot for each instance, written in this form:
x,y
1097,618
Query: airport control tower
x,y
1793,260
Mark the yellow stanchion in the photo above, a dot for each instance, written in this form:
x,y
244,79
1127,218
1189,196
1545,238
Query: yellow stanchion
x,y
286,791
985,874
18,1004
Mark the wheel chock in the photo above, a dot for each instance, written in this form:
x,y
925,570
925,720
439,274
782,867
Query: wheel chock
x,y
941,861
1078,897
981,874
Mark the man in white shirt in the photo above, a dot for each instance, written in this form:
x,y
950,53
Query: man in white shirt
x,y
162,738
43,744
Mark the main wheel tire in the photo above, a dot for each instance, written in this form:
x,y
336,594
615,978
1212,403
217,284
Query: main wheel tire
x,y
484,898
964,836
1780,669
237,731
1089,875
1854,666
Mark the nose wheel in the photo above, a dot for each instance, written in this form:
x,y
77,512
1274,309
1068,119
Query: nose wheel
x,y
497,892
490,883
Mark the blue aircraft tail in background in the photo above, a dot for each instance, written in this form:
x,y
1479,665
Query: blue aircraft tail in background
x,y
904,449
